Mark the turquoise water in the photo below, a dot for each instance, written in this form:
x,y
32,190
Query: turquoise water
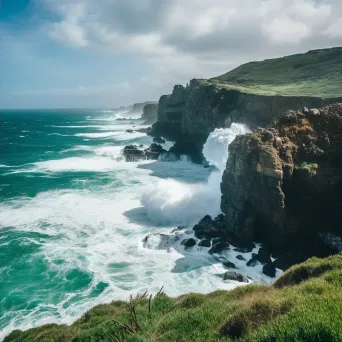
x,y
73,215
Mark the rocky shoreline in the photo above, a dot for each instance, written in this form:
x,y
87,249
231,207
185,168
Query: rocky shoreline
x,y
282,186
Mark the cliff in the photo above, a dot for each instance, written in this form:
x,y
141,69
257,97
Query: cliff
x,y
254,94
304,304
150,114
138,108
283,185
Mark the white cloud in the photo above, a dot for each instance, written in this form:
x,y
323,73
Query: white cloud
x,y
193,38
283,29
335,29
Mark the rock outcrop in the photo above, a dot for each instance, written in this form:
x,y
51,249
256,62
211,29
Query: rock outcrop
x,y
191,113
150,114
283,184
132,153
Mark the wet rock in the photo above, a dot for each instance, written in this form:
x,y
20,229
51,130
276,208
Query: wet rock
x,y
129,131
240,257
252,263
264,256
132,153
235,276
219,247
205,243
269,270
228,264
189,242
208,228
159,140
154,151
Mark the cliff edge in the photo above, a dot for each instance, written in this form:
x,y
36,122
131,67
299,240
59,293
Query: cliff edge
x,y
254,94
283,184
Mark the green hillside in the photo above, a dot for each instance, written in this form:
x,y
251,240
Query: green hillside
x,y
304,304
315,73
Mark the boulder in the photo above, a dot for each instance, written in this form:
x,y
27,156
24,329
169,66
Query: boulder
x,y
189,242
205,243
240,257
129,131
219,247
235,276
208,228
264,256
269,270
132,153
252,263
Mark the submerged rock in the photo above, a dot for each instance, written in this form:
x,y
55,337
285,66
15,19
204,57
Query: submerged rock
x,y
235,276
160,241
228,264
252,263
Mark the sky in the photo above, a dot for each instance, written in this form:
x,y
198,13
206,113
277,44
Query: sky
x,y
108,53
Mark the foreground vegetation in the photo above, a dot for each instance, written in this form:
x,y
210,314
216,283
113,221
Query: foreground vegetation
x,y
304,304
316,73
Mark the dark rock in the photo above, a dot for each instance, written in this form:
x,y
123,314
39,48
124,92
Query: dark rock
x,y
159,140
189,242
132,153
235,276
252,262
240,257
228,264
129,131
207,228
205,243
154,151
264,256
269,270
219,247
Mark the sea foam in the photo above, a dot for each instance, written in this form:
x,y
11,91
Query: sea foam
x,y
173,202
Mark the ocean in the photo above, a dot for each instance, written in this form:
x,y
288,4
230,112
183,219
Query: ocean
x,y
74,213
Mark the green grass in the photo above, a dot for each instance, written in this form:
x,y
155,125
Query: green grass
x,y
304,304
315,73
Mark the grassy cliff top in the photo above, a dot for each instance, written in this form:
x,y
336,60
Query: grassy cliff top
x,y
315,73
304,304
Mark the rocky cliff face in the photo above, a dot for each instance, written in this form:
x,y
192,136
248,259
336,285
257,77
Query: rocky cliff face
x,y
191,113
150,114
283,184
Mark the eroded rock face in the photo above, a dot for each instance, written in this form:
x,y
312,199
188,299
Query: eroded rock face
x,y
191,113
150,114
284,184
